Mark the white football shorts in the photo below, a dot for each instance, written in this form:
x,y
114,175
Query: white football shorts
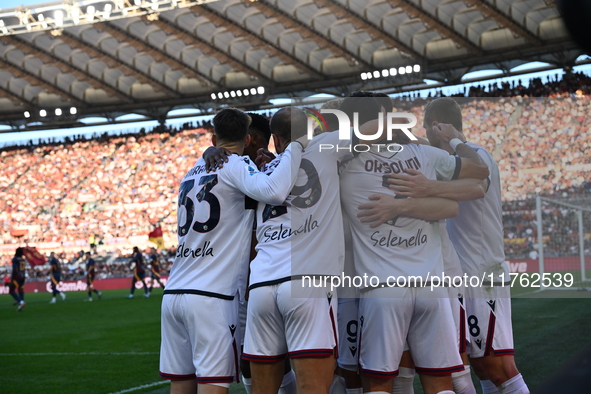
x,y
388,317
278,324
348,323
200,337
457,300
488,311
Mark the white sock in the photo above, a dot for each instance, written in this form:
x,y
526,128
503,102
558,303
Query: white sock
x,y
288,384
403,383
515,385
446,392
358,390
488,387
337,386
247,384
463,381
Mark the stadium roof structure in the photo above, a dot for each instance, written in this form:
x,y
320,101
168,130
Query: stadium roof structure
x,y
63,61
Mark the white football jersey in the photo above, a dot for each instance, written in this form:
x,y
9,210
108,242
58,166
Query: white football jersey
x,y
477,232
304,235
215,221
402,246
451,261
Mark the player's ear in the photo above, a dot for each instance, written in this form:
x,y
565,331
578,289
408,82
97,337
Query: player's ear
x,y
214,140
276,142
247,140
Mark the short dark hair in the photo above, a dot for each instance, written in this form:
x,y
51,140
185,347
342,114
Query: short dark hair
x,y
19,252
260,124
368,108
289,123
362,93
444,110
385,101
231,125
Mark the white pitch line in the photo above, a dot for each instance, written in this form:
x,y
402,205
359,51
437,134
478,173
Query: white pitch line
x,y
80,354
145,386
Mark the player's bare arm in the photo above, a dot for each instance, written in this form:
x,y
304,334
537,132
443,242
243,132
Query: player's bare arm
x,y
385,207
414,184
472,164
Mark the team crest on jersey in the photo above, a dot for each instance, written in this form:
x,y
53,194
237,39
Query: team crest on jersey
x,y
251,170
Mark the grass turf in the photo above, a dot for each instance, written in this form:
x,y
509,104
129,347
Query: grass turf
x,y
112,345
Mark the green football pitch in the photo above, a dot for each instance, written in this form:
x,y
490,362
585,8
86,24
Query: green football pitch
x,y
112,345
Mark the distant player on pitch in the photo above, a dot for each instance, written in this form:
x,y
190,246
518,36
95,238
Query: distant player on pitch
x,y
56,272
17,281
90,274
139,272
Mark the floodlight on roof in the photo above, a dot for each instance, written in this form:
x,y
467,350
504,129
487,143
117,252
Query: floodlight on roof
x,y
90,10
59,18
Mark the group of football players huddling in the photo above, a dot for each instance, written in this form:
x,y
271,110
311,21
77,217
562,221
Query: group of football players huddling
x,y
338,203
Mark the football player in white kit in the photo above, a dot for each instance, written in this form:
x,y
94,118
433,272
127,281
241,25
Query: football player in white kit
x,y
260,136
200,304
477,235
403,248
302,236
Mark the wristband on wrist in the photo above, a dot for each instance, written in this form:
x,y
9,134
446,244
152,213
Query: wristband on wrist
x,y
454,143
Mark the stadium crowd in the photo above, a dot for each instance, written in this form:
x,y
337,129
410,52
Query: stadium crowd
x,y
110,188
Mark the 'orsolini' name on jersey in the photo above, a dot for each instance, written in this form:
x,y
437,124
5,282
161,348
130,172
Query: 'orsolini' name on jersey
x,y
402,246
